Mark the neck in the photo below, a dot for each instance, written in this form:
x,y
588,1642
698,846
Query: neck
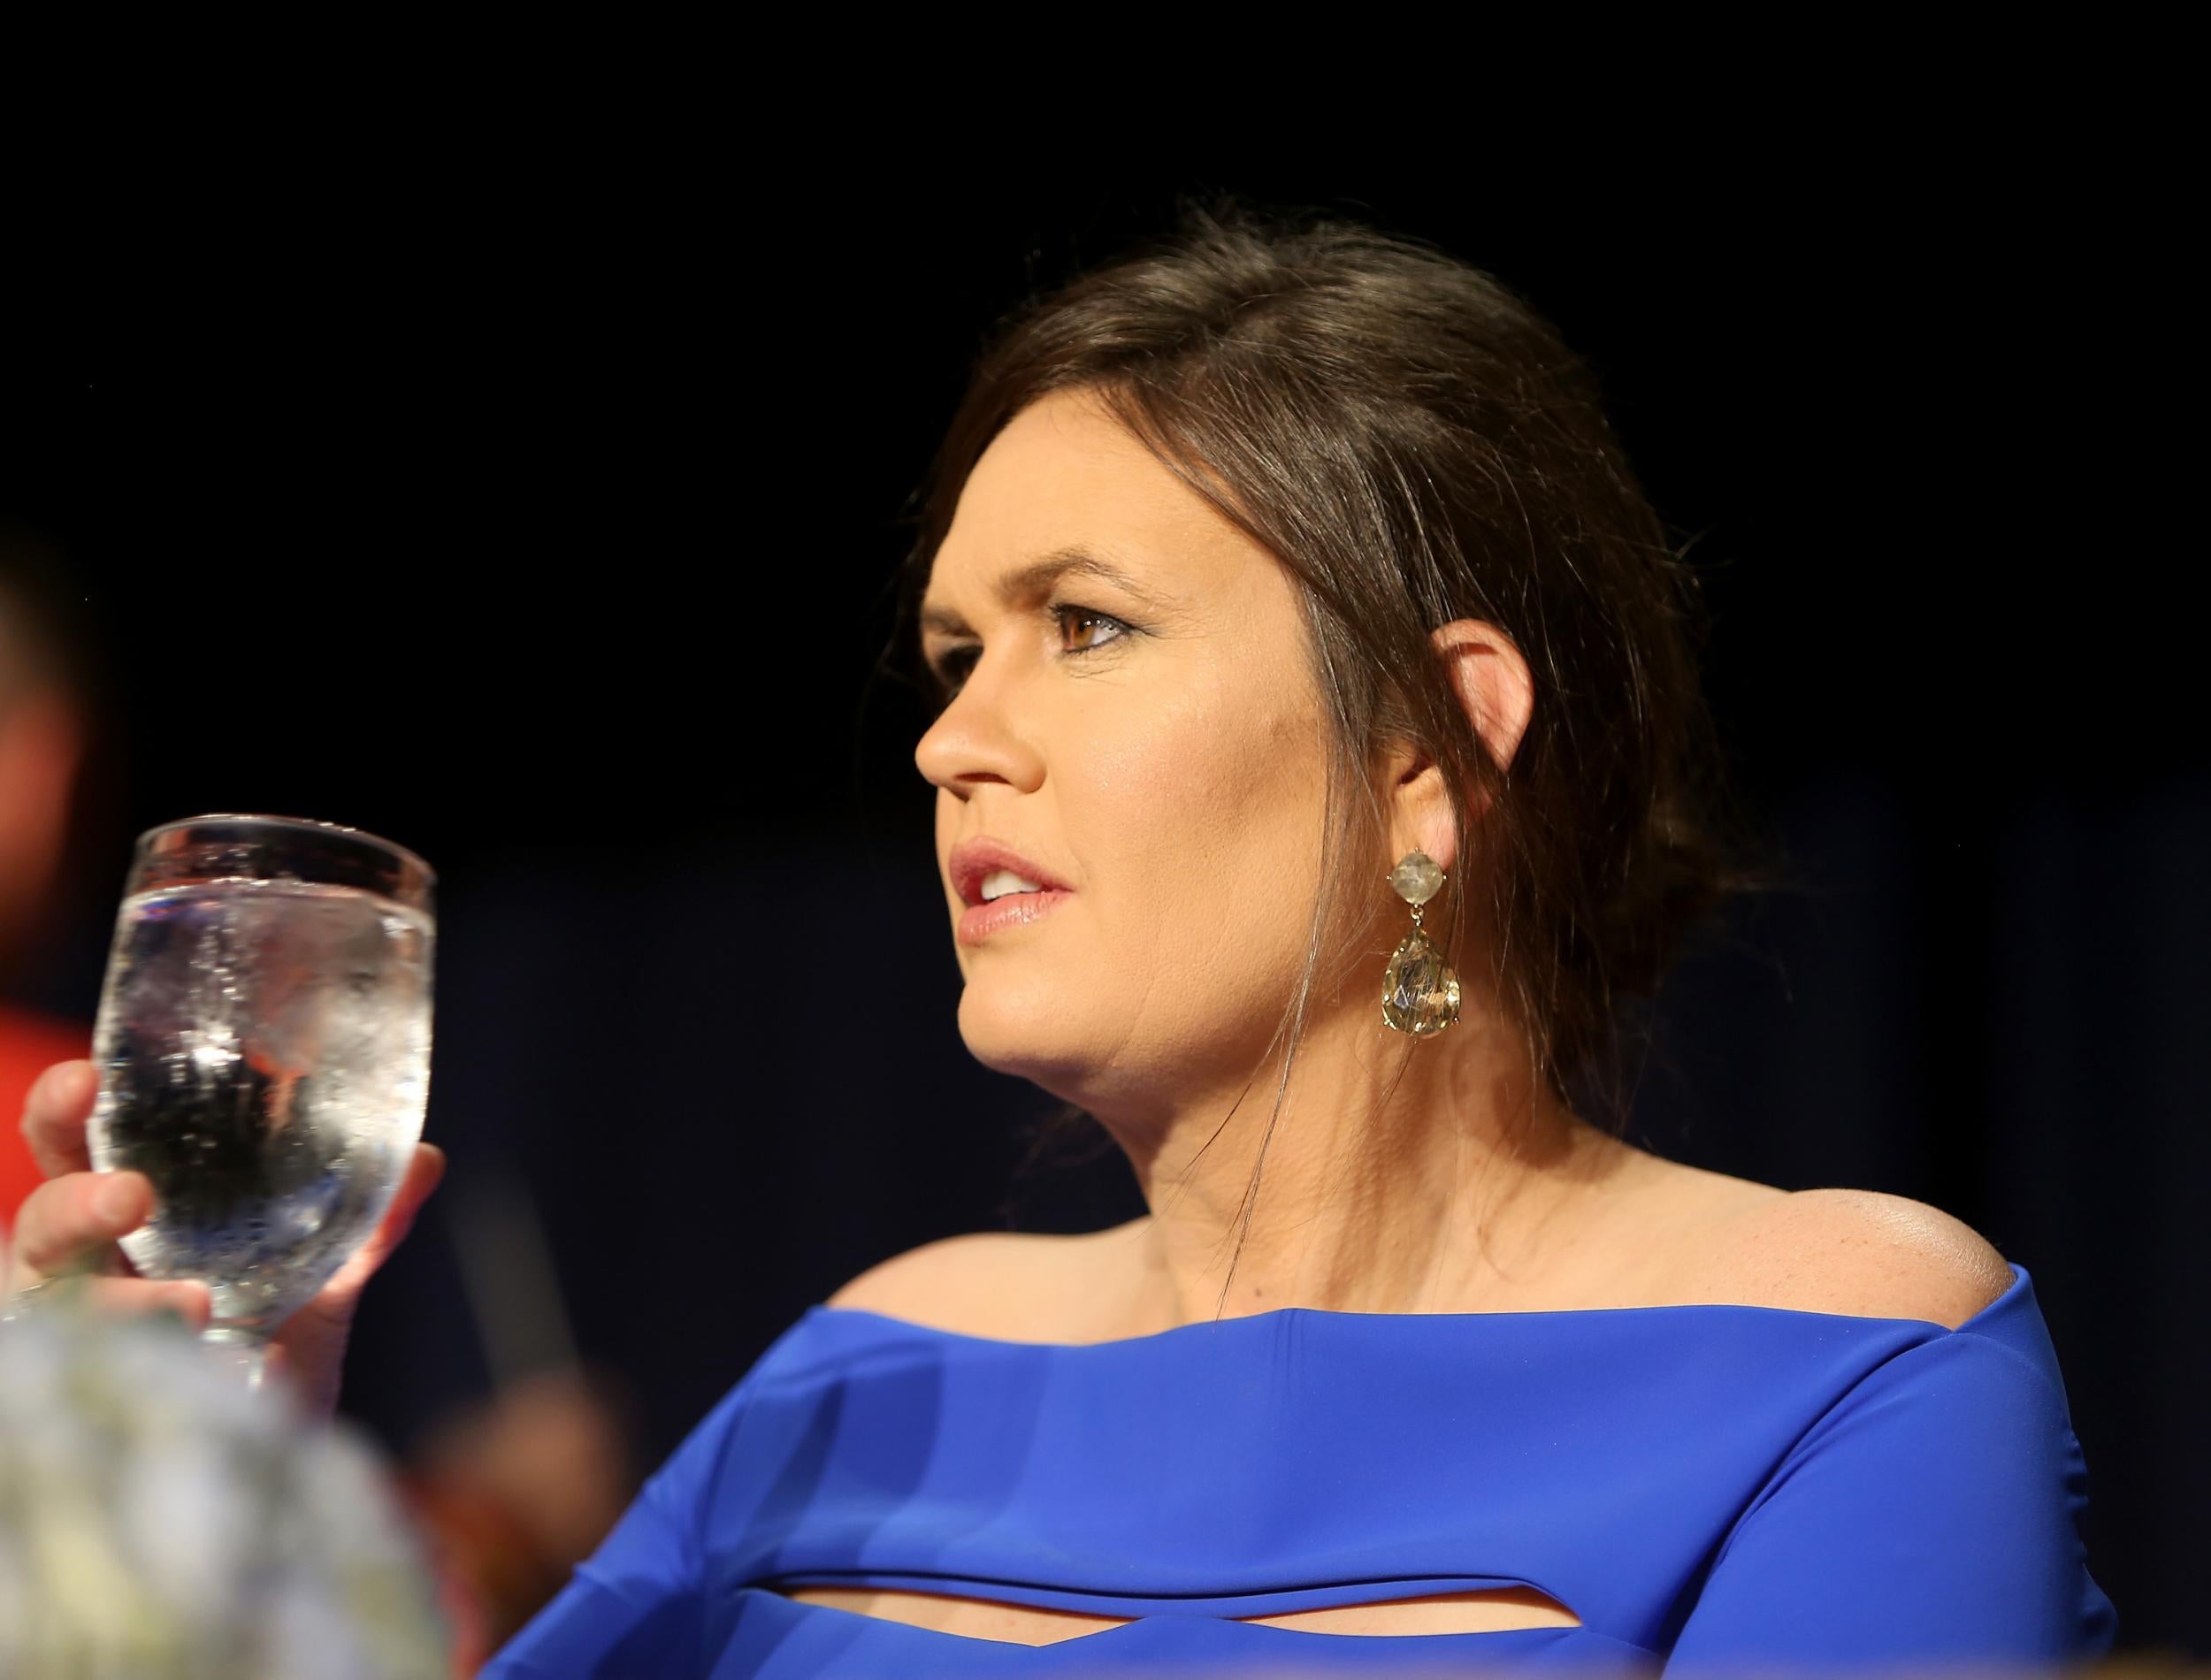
x,y
1402,1176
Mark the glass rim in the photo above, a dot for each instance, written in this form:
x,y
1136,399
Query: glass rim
x,y
312,825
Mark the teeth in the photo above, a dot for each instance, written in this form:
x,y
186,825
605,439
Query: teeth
x,y
998,882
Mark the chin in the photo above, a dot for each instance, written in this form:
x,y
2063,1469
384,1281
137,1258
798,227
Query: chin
x,y
1021,1030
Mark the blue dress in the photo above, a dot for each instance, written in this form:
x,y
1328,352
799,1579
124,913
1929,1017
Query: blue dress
x,y
1703,1487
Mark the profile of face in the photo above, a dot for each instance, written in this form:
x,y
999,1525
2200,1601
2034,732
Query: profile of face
x,y
1155,741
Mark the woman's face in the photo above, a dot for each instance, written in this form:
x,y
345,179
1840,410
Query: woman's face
x,y
1158,744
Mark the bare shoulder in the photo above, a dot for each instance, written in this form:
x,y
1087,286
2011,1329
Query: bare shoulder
x,y
1859,1252
980,1283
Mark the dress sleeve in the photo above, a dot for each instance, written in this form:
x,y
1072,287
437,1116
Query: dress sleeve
x,y
1930,1517
633,1606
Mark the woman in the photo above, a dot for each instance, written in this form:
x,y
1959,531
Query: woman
x,y
1286,593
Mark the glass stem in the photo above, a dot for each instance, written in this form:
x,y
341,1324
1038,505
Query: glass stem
x,y
241,1350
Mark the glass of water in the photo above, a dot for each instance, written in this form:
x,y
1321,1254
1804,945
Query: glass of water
x,y
264,1048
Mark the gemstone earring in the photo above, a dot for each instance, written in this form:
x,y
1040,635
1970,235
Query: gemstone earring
x,y
1419,992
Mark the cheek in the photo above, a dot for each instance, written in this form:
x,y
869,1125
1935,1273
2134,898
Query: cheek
x,y
1199,826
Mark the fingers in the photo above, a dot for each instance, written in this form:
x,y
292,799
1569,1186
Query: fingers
x,y
424,1174
190,1300
310,1348
424,1171
54,1117
70,1223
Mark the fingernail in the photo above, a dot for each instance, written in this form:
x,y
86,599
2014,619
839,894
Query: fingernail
x,y
116,1200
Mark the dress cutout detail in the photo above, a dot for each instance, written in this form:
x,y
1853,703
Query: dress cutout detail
x,y
1701,1487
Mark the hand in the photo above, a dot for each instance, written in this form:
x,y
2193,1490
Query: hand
x,y
71,1222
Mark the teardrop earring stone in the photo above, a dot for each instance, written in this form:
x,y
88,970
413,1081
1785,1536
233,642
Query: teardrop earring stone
x,y
1419,992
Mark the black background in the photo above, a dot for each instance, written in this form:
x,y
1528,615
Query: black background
x,y
535,507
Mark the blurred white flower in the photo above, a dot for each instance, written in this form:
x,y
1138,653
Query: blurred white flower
x,y
159,1521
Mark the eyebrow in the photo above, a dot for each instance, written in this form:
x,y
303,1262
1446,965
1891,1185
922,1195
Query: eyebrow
x,y
1039,575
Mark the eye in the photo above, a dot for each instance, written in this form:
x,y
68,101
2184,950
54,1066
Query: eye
x,y
951,667
1089,616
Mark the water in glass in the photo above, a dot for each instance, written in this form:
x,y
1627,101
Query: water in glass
x,y
264,1051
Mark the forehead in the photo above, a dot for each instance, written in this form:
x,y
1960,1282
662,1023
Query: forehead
x,y
1062,475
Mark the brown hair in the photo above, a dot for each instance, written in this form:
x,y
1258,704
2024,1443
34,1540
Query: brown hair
x,y
1415,445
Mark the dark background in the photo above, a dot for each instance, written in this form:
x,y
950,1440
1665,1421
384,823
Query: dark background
x,y
541,519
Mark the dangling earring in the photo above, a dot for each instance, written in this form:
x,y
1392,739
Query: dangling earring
x,y
1419,992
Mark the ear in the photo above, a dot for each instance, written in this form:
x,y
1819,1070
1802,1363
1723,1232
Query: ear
x,y
1497,691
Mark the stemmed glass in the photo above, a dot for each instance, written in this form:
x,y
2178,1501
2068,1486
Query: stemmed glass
x,y
264,1049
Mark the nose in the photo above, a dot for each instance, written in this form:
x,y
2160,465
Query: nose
x,y
976,740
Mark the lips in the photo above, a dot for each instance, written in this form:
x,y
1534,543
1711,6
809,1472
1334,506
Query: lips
x,y
979,922
974,858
